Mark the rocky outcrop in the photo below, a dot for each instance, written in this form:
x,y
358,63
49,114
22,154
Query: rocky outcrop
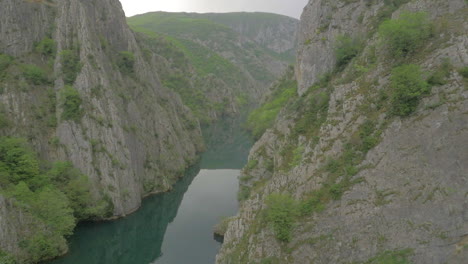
x,y
131,136
403,196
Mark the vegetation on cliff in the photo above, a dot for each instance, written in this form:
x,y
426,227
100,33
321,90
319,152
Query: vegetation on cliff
x,y
312,166
56,195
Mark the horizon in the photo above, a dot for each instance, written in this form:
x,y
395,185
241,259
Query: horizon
x,y
204,13
292,8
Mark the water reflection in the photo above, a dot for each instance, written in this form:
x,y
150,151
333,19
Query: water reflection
x,y
134,239
175,227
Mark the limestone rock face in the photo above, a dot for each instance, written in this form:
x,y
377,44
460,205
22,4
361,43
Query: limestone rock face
x,y
409,190
135,137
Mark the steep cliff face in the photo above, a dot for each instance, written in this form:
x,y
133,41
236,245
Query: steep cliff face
x,y
343,177
75,82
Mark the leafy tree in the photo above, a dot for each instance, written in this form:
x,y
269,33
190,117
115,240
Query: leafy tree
x,y
126,61
46,47
406,34
281,212
346,49
5,258
19,162
5,61
71,65
71,103
57,198
53,207
34,74
75,186
407,86
43,245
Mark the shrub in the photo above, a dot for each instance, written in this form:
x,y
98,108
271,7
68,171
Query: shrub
x,y
34,74
5,61
263,117
405,35
42,246
71,104
6,258
46,47
76,187
126,61
55,198
244,193
463,72
18,162
71,65
392,257
441,74
281,212
346,49
408,86
52,206
4,122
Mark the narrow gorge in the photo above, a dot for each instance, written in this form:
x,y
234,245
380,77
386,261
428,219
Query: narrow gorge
x,y
341,137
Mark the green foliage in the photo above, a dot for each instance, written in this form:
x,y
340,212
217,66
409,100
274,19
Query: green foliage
x,y
367,140
405,35
251,164
71,104
46,47
296,156
464,72
439,77
341,170
281,212
408,86
125,62
56,198
270,260
5,62
206,62
34,74
346,49
52,206
392,257
193,98
71,65
263,118
42,246
314,114
6,258
18,163
387,10
244,193
4,122
76,187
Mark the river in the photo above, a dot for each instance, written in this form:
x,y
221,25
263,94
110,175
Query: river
x,y
174,227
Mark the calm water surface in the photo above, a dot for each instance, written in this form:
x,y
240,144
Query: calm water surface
x,y
174,227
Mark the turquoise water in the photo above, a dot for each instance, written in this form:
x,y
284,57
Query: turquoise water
x,y
174,227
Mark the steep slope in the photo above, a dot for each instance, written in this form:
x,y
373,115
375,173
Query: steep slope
x,y
229,59
276,33
367,163
78,86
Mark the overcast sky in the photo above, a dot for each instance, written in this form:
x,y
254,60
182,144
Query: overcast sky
x,y
292,8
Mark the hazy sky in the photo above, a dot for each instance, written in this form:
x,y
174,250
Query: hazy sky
x,y
292,8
